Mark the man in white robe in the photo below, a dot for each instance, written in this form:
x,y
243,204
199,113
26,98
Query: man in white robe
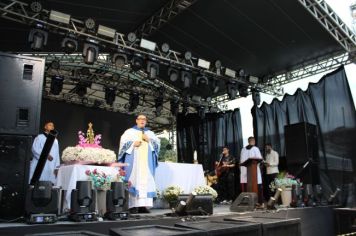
x,y
139,148
50,170
251,152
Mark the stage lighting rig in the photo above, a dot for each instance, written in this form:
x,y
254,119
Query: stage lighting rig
x,y
159,105
202,80
243,90
137,62
214,86
217,66
232,90
56,84
106,31
90,51
38,38
59,17
230,73
82,204
131,37
81,89
256,97
203,64
36,6
146,44
69,44
90,25
115,202
134,100
174,107
165,47
173,74
186,79
110,95
187,55
152,69
119,59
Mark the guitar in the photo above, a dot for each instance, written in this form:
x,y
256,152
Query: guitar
x,y
219,167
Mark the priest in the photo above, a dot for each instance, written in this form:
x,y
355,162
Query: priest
x,y
139,148
50,170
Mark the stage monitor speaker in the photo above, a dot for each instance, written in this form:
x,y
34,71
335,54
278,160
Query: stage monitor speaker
x,y
273,226
21,80
221,228
201,205
15,155
150,230
246,201
302,146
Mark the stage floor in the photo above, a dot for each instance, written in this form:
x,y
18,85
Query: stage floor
x,y
314,221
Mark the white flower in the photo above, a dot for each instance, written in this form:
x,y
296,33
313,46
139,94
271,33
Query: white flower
x,y
98,155
205,189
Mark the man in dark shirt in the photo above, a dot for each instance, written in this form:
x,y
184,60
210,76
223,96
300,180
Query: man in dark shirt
x,y
226,180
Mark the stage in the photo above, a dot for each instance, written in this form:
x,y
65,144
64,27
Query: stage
x,y
313,221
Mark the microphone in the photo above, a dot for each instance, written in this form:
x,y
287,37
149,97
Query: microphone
x,y
143,132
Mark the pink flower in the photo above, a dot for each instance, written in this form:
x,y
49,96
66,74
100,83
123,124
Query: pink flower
x,y
95,171
87,172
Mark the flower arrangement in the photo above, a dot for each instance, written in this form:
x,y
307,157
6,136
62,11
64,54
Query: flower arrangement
x,y
99,179
284,181
90,155
205,189
171,193
85,142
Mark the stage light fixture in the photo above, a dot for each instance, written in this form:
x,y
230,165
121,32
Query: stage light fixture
x,y
137,62
241,73
333,196
187,55
253,79
131,37
203,64
218,67
146,44
119,59
186,79
256,98
165,47
202,80
243,90
90,51
69,44
272,200
55,64
173,74
185,108
83,200
59,17
106,31
159,105
90,24
56,85
214,86
232,90
38,38
174,107
81,89
115,202
36,6
110,95
152,69
134,99
230,73
201,111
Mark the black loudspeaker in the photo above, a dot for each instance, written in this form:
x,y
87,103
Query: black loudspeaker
x,y
21,80
150,230
273,226
220,228
246,201
302,148
201,205
15,154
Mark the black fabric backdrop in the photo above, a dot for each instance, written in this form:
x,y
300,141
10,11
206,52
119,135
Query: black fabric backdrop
x,y
327,104
208,136
70,118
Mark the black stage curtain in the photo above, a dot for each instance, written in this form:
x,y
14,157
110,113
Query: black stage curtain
x,y
70,118
208,136
327,104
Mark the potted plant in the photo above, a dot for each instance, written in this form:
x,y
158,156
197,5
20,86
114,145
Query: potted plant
x,y
206,190
171,193
285,181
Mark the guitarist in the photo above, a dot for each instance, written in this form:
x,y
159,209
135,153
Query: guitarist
x,y
225,170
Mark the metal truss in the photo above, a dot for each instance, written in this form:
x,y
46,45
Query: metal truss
x,y
331,22
170,10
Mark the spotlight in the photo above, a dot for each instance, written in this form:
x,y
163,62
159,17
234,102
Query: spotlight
x,y
201,111
272,201
241,73
110,95
202,80
243,90
134,100
37,38
174,107
214,86
152,69
203,64
159,105
146,44
56,85
187,56
69,44
115,202
186,78
334,196
80,89
59,17
131,37
90,24
119,59
232,90
218,67
137,62
173,74
165,47
83,200
36,6
256,97
90,52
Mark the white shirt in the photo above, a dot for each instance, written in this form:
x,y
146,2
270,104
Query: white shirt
x,y
254,152
272,159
